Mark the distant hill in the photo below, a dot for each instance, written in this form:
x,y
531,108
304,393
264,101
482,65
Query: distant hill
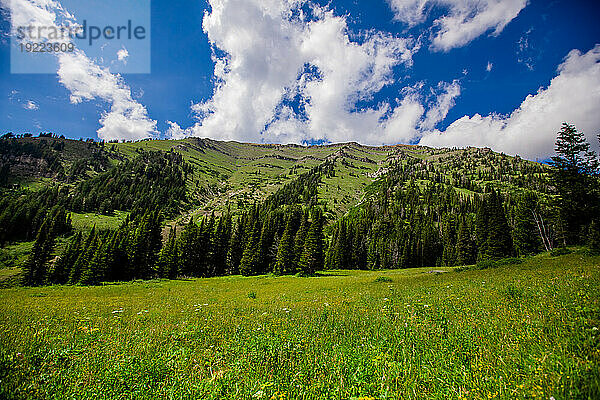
x,y
236,175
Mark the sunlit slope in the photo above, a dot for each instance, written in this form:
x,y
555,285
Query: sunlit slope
x,y
236,175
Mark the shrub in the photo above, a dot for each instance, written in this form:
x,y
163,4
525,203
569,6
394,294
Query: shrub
x,y
509,261
561,251
488,264
382,279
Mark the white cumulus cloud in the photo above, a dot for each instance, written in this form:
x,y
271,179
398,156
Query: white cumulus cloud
x,y
462,20
284,75
573,96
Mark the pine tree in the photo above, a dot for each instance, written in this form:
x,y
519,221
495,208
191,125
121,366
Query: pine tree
x,y
339,257
62,267
525,239
299,240
498,243
594,237
35,267
208,241
268,234
189,253
234,254
373,256
313,256
329,262
358,246
168,257
220,244
250,262
83,259
574,167
465,246
145,243
482,226
284,263
449,252
121,268
90,273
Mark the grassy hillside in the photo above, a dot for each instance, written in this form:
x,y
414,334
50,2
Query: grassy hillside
x,y
235,175
521,332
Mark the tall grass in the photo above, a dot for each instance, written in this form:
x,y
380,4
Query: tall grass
x,y
519,331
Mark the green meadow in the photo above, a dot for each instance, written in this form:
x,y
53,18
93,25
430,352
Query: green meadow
x,y
522,331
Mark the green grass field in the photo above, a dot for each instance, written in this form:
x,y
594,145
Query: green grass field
x,y
85,222
515,332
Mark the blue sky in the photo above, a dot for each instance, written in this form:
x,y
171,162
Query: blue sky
x,y
435,72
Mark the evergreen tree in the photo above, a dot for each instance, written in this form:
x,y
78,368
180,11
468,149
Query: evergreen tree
x,y
189,251
168,257
220,245
115,264
61,269
465,246
121,268
498,243
91,262
250,262
358,246
284,263
340,248
525,240
574,167
482,221
35,268
208,241
313,256
449,252
234,255
594,236
83,259
373,257
145,243
300,239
